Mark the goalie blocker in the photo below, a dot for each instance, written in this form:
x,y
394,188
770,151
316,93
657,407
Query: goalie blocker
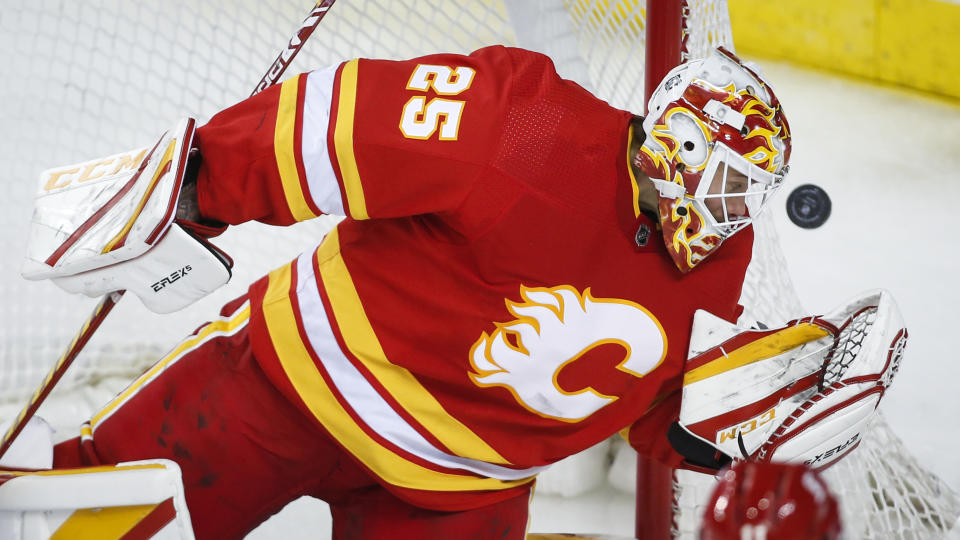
x,y
802,393
109,224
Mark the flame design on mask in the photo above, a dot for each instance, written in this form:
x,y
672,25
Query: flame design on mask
x,y
691,239
761,120
768,155
661,162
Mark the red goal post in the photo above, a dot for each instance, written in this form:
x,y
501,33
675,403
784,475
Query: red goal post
x,y
667,28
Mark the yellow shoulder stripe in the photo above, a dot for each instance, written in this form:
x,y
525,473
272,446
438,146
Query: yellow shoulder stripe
x,y
343,141
284,149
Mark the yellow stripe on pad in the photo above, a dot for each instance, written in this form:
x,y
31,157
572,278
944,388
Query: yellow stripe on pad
x,y
757,351
167,157
101,523
323,404
83,470
284,148
343,141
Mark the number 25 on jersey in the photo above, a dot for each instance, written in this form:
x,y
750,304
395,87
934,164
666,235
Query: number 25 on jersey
x,y
422,118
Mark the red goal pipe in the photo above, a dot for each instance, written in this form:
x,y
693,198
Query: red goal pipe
x,y
665,39
655,500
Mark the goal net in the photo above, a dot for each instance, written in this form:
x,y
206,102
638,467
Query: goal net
x,y
86,79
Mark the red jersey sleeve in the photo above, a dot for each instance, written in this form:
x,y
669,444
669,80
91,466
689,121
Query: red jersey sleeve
x,y
366,139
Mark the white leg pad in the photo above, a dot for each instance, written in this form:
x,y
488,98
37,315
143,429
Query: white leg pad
x,y
100,502
33,448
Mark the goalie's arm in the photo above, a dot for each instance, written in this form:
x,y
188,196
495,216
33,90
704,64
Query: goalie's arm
x,y
365,139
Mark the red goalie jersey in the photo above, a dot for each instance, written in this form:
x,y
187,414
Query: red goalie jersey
x,y
484,310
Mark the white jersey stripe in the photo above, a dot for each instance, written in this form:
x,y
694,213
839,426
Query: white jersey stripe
x,y
364,399
321,180
220,327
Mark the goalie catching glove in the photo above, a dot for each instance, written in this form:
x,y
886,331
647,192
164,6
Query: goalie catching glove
x,y
109,224
802,393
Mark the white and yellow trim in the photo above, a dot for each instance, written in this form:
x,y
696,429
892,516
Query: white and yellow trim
x,y
225,326
363,344
370,407
321,179
284,148
343,141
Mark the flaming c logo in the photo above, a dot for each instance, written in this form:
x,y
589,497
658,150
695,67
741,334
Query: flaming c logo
x,y
554,327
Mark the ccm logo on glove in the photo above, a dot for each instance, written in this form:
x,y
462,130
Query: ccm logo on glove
x,y
175,275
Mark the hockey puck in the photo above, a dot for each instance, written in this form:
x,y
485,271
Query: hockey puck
x,y
808,206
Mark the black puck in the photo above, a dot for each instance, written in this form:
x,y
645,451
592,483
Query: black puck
x,y
808,206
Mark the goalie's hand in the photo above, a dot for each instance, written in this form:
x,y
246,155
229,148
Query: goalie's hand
x,y
108,224
188,208
802,393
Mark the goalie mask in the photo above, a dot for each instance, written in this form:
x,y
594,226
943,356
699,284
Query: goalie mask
x,y
716,148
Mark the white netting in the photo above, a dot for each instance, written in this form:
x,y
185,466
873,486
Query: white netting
x,y
86,79
94,78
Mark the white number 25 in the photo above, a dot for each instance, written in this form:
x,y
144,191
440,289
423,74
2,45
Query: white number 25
x,y
421,118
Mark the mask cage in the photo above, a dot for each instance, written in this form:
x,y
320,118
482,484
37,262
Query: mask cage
x,y
759,188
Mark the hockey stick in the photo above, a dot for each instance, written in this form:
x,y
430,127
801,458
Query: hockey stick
x,y
293,47
60,367
105,305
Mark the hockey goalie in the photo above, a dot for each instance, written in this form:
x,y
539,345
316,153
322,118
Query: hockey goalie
x,y
514,281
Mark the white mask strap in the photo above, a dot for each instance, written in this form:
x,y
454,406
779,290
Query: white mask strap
x,y
670,190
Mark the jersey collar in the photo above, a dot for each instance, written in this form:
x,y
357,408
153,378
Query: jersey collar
x,y
646,227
